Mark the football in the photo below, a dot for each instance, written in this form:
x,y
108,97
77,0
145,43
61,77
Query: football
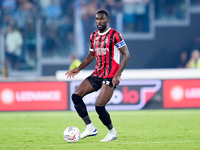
x,y
71,134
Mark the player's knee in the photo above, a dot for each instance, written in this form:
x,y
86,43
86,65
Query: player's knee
x,y
76,98
79,105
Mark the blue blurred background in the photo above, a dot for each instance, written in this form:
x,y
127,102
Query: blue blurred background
x,y
37,37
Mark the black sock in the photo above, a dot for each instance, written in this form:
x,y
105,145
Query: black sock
x,y
104,116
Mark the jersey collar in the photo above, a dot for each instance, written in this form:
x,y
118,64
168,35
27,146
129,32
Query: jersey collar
x,y
104,32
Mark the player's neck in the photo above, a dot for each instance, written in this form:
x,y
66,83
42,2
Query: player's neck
x,y
102,31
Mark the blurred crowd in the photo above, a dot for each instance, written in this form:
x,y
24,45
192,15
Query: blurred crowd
x,y
22,22
135,14
170,10
57,27
18,25
25,23
189,61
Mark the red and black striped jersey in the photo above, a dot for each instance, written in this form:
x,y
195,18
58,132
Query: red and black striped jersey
x,y
105,46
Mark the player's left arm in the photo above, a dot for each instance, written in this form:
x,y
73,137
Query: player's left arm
x,y
125,57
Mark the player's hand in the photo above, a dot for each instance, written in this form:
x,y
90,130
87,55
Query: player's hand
x,y
71,73
116,80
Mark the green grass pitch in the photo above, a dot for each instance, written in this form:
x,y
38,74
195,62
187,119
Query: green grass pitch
x,y
137,130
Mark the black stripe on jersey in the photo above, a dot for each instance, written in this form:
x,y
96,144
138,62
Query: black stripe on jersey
x,y
93,35
95,48
91,40
120,38
104,46
95,40
100,56
111,47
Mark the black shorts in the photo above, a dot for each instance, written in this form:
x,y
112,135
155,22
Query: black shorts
x,y
97,82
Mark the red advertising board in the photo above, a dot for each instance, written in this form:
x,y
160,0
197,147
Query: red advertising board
x,y
21,96
181,93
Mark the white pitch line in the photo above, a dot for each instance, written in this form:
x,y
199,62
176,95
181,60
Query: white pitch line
x,y
164,142
100,143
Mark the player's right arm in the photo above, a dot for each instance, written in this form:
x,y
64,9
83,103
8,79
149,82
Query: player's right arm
x,y
88,59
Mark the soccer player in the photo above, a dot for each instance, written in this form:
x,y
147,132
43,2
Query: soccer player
x,y
106,44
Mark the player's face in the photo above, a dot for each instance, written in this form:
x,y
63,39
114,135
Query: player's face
x,y
102,22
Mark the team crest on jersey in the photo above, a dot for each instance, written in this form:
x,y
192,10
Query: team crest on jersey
x,y
106,40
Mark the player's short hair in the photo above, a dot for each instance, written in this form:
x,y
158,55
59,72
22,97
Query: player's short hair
x,y
103,11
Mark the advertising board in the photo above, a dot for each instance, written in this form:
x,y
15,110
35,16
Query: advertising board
x,y
181,93
21,96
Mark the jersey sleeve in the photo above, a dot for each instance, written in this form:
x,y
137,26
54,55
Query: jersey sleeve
x,y
91,48
119,40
